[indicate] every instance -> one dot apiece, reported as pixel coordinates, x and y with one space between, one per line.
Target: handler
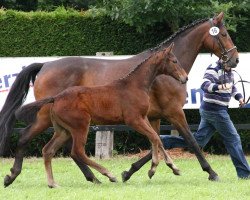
218 89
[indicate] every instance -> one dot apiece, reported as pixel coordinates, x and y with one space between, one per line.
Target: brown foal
123 101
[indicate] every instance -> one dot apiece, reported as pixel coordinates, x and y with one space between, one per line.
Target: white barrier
10 67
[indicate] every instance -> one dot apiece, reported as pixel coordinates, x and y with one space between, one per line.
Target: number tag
214 31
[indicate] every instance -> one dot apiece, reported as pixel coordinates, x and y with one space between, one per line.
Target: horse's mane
140 64
178 33
168 40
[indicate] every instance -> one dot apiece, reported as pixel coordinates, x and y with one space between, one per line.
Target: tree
146 13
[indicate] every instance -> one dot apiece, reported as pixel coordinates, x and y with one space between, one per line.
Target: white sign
214 31
195 76
10 67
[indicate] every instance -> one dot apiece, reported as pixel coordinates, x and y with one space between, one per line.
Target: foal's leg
155 124
49 151
166 156
59 138
79 137
143 126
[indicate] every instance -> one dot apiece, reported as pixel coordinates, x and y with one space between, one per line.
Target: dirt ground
174 153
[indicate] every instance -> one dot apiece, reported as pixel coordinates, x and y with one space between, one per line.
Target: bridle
225 58
224 52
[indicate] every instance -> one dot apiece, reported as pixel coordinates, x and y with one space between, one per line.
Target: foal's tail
15 99
27 113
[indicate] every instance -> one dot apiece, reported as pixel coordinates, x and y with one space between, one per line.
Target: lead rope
243 87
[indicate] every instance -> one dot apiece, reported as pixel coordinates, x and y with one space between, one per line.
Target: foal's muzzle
183 79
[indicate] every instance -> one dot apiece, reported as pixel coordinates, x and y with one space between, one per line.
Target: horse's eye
223 34
175 61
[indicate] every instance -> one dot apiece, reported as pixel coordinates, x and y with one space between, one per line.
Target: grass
192 184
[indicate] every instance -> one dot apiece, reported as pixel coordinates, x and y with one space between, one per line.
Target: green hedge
65 33
68 32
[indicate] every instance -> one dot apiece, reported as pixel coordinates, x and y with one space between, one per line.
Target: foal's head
171 66
218 41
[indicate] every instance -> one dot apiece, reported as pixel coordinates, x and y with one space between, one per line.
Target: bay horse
125 100
50 78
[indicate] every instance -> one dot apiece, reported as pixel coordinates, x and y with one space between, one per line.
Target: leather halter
224 52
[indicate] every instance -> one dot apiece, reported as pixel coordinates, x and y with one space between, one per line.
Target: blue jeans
210 122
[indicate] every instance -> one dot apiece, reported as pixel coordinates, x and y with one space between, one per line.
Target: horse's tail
27 113
14 100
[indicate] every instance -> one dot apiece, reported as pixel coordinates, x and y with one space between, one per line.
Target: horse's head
171 65
218 41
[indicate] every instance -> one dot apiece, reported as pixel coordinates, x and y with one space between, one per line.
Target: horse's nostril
237 60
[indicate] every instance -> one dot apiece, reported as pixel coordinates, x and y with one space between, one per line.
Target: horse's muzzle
184 80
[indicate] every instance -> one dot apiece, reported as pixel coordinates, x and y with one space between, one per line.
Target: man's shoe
245 177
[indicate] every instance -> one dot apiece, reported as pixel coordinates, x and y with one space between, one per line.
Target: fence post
104 140
104 144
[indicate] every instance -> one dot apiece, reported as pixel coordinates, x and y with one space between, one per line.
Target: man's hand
225 86
242 103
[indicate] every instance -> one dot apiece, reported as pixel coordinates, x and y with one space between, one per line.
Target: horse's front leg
179 122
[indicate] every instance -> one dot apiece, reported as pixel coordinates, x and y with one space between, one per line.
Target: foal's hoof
7 181
151 173
125 176
177 172
113 179
214 177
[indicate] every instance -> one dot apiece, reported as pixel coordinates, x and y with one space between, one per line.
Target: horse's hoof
7 181
177 172
213 177
113 179
125 176
96 181
54 185
150 174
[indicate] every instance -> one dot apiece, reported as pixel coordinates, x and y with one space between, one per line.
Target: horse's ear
171 46
169 49
219 18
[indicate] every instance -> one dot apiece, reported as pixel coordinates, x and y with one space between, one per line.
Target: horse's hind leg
89 175
180 123
25 137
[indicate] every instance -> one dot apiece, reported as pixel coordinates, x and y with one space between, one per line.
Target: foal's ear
218 19
170 48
